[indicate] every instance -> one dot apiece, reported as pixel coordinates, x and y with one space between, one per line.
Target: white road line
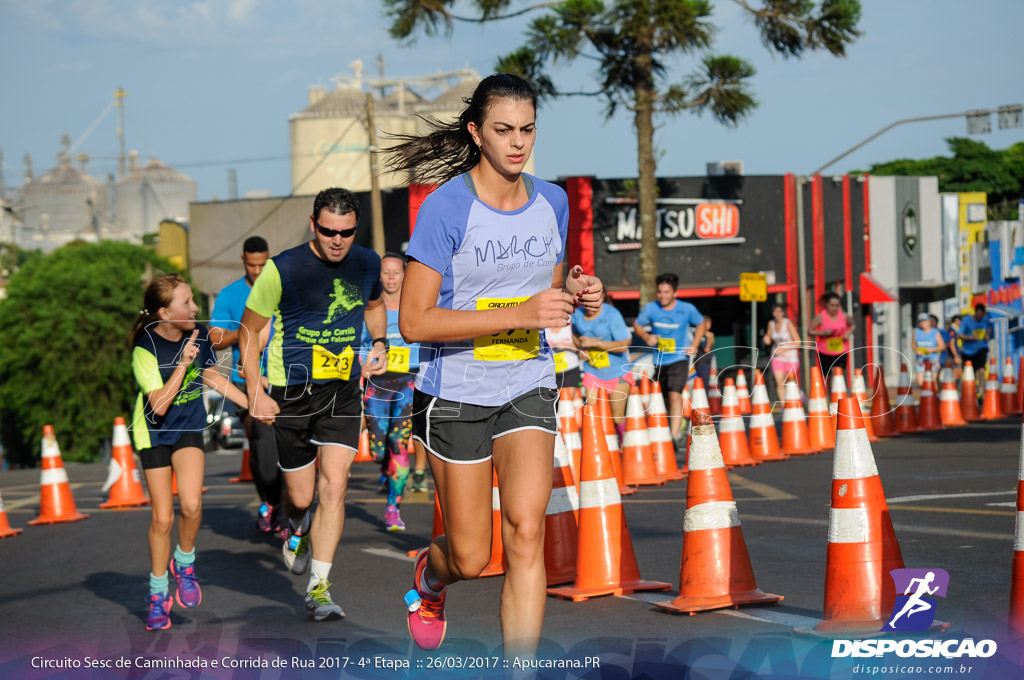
1008 504
389 552
770 616
651 598
928 497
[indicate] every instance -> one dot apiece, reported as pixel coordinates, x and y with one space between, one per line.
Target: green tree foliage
64 354
972 167
633 43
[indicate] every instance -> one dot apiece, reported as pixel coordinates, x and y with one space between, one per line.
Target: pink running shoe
427 624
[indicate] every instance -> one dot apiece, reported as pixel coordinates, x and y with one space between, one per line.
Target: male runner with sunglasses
320 294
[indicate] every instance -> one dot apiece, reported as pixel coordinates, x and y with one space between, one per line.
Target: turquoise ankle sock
158 584
184 558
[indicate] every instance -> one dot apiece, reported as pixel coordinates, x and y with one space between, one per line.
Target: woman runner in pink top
831 330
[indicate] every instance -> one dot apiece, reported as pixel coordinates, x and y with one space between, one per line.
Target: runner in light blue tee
672 325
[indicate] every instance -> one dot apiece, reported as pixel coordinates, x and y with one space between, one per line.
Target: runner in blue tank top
485 277
928 345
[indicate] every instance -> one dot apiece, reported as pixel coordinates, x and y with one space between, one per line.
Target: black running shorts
160 456
462 433
673 376
318 414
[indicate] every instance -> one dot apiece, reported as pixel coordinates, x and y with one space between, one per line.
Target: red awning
871 291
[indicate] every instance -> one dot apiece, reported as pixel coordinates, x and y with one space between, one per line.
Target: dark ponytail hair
449 150
828 297
159 293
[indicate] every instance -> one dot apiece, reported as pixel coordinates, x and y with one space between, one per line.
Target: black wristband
387 345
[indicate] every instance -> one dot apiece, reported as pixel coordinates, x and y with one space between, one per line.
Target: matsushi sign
681 222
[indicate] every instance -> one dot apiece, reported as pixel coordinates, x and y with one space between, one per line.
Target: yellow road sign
753 287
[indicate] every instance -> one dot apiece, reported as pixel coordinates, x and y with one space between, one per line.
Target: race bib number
924 351
979 333
398 360
598 359
561 362
666 344
513 345
834 345
330 366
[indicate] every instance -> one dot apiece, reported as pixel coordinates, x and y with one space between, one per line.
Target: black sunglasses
331 233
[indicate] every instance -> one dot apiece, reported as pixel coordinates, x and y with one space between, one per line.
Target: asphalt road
76 590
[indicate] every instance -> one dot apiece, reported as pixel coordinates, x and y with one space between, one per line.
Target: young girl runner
485 276
172 359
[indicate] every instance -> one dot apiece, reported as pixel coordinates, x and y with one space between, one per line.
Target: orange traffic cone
605 564
860 391
731 432
819 421
714 395
5 525
796 440
715 570
662 447
928 410
645 390
496 567
742 394
764 441
577 407
881 410
571 433
1008 402
560 520
245 475
612 438
990 409
123 481
637 460
687 403
969 394
836 391
1017 571
56 504
906 415
862 546
949 401
363 453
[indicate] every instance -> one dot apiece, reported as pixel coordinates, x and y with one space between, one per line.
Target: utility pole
375 202
119 95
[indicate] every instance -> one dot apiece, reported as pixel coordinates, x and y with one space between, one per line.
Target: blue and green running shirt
154 359
317 308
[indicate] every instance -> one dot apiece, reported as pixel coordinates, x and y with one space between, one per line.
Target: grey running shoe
419 481
319 603
296 552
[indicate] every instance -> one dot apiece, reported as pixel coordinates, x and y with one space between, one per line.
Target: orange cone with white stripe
742 394
645 390
714 395
764 441
566 414
949 401
612 438
496 567
732 434
796 440
1008 402
123 481
637 460
245 475
990 408
662 447
862 546
5 525
560 520
836 391
56 504
882 421
715 570
819 420
969 394
605 563
928 417
577 407
906 414
687 400
860 391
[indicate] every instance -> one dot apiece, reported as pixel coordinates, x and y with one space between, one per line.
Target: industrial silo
149 195
61 205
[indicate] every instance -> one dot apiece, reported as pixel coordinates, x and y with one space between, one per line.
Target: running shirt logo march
512 345
914 610
346 298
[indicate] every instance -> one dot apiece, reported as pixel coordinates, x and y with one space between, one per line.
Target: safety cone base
833 630
580 594
10 532
77 517
694 605
675 476
648 481
126 503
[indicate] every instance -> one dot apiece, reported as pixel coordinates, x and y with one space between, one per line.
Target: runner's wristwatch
387 345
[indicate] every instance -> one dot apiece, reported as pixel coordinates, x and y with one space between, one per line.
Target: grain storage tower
151 194
63 204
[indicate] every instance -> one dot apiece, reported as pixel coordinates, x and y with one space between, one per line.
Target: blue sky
211 84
